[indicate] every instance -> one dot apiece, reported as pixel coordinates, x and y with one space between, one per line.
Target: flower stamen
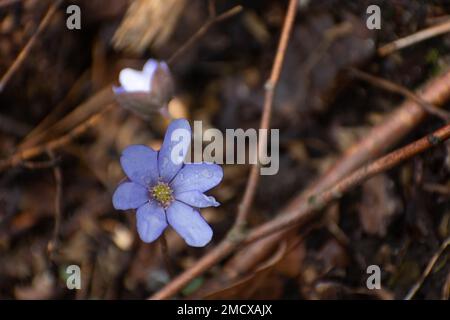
162 193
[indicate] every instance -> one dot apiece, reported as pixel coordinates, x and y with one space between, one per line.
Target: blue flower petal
197 176
189 224
196 199
118 90
151 221
174 149
140 164
129 195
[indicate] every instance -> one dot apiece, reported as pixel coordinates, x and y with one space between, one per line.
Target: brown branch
399 89
212 20
270 87
26 50
412 292
32 152
414 38
397 124
83 111
34 165
236 233
36 134
54 243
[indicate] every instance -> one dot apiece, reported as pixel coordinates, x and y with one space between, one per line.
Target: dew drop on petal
207 173
147 181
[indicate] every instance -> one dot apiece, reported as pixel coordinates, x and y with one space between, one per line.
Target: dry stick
27 154
314 203
26 50
414 38
78 115
428 269
396 88
90 107
235 235
437 188
212 19
400 122
103 97
54 244
397 124
33 165
383 136
270 87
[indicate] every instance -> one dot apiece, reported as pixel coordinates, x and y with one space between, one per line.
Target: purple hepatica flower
145 92
165 191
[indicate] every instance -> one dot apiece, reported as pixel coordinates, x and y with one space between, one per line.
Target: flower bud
145 92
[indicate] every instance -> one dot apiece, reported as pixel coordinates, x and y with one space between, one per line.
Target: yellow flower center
162 193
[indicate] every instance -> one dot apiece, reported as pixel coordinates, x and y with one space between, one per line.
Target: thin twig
437 188
34 165
396 125
32 152
93 105
33 137
414 38
314 203
54 243
428 269
235 235
26 50
270 87
212 19
399 89
212 8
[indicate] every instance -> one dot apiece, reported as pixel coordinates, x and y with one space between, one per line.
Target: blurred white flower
145 92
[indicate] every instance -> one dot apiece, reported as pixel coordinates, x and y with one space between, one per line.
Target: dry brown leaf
147 22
